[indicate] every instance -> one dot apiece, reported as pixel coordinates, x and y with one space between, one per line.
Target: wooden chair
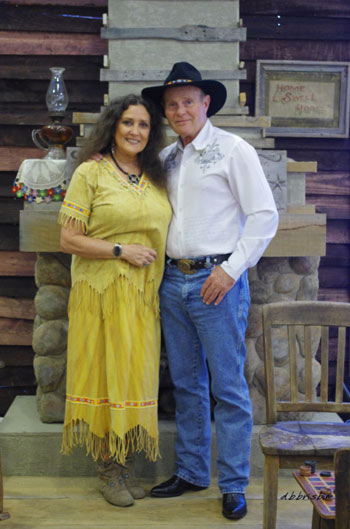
3 515
287 444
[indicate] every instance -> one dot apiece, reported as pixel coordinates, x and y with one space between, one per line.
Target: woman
114 221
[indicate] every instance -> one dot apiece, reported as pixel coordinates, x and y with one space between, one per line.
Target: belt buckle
184 265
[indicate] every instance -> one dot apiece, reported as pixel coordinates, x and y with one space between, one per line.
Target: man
224 217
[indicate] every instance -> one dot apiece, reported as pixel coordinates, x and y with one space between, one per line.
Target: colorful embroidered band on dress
114 405
71 206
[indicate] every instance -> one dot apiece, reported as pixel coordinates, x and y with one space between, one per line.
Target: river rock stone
50 406
269 268
51 302
50 338
49 371
304 265
259 292
51 270
286 283
308 288
254 327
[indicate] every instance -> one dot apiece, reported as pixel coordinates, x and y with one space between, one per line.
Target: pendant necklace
132 177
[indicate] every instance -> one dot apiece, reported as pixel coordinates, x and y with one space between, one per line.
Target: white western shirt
221 200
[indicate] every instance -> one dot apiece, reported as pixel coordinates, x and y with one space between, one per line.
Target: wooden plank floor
75 503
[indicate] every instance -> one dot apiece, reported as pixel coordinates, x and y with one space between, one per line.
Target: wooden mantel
301 231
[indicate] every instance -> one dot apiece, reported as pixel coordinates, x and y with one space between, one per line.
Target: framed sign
304 98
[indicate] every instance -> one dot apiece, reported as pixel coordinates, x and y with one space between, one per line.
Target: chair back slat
307 322
340 364
324 363
271 412
308 363
292 363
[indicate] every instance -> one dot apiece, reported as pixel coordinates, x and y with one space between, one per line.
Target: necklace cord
132 177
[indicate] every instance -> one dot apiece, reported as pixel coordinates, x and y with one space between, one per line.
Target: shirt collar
201 140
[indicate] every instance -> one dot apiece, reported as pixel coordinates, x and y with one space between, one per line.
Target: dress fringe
137 439
73 220
106 303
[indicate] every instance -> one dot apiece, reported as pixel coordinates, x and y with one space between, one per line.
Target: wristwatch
117 250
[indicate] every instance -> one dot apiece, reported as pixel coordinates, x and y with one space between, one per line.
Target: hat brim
215 89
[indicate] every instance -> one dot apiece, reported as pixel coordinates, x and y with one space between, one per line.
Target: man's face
186 110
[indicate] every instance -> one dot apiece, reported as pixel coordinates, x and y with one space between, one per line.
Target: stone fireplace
289 268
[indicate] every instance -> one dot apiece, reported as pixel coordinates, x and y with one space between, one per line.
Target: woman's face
132 131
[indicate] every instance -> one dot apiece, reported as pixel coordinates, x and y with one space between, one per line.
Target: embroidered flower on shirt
208 156
170 161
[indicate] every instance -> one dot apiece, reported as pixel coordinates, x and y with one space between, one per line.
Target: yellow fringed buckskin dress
114 331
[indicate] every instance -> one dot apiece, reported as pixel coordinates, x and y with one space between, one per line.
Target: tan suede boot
112 485
135 490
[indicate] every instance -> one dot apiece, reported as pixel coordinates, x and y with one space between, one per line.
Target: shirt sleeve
77 204
252 191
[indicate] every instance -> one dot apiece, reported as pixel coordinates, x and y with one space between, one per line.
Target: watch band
117 250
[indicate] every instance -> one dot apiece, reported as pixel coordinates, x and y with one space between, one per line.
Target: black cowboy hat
183 73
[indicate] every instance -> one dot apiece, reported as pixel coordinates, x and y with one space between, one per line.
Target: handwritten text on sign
301 99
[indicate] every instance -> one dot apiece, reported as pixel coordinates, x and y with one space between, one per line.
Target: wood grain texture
336 8
17 308
296 28
16 355
55 18
27 43
78 67
183 33
313 50
88 3
12 157
17 264
15 332
18 287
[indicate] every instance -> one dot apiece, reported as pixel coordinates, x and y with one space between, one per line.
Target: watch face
117 250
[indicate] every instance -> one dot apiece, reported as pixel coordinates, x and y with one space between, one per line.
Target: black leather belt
189 266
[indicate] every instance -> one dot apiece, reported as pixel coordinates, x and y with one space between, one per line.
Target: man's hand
216 286
96 157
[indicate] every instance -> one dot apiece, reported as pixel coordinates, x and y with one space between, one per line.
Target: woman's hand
138 255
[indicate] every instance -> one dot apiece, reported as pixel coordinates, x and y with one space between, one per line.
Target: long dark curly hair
101 138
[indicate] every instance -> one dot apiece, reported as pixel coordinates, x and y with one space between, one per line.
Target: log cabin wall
310 31
35 35
38 34
318 30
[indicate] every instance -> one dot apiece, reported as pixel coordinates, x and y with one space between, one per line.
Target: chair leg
316 519
3 515
271 468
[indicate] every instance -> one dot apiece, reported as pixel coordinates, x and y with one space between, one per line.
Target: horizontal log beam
12 157
78 67
160 75
88 3
18 287
296 28
335 8
184 33
16 355
17 264
328 183
15 332
52 18
27 43
338 231
326 161
334 294
22 309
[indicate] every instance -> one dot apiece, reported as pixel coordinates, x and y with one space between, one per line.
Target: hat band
179 81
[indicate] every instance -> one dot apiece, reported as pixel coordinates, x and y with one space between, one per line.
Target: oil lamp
53 137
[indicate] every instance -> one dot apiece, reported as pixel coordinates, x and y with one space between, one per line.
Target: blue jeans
200 339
